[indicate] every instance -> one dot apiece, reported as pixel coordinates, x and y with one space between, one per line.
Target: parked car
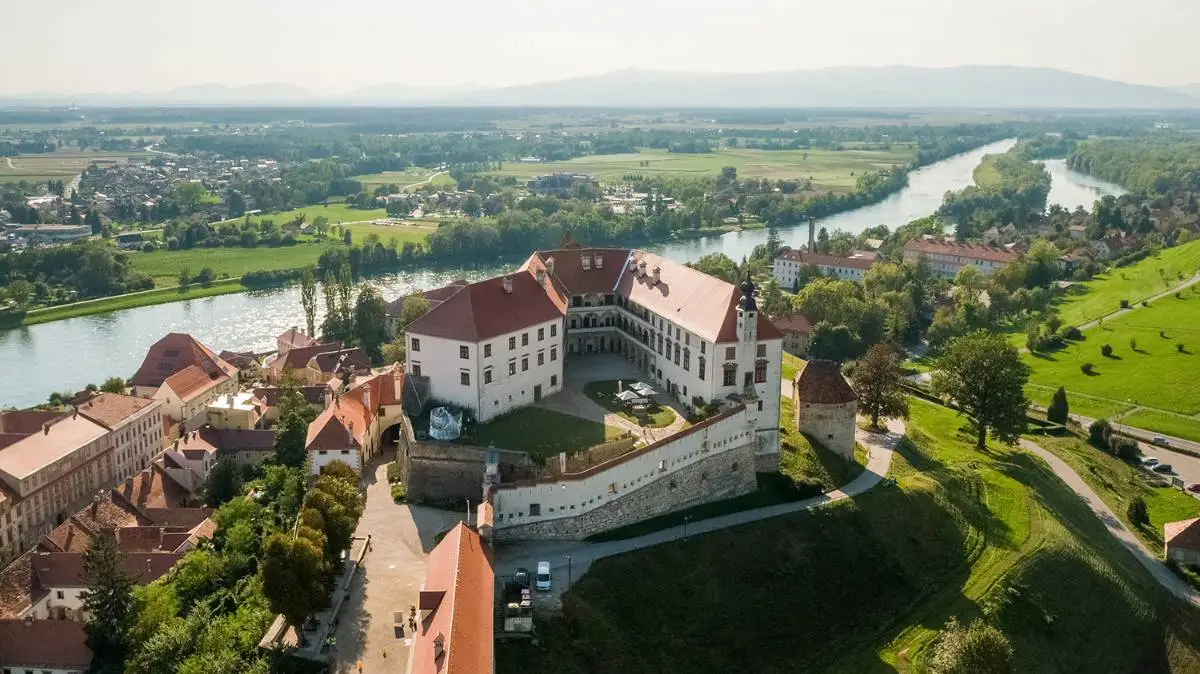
1194 488
1163 468
1149 461
542 579
1159 441
522 576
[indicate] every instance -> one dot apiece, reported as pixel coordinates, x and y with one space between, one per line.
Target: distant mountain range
841 87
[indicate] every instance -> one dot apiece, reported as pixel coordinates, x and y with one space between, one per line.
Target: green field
54 166
829 170
1102 295
1157 374
164 265
985 174
141 299
864 585
1088 406
336 213
1168 424
413 176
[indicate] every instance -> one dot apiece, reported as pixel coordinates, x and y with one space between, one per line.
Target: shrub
1145 303
1138 515
1087 368
148 247
1180 348
1099 433
1058 411
1071 332
1106 351
395 472
398 493
1124 304
1123 448
1162 333
1133 343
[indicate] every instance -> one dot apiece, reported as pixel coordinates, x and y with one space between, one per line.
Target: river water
69 354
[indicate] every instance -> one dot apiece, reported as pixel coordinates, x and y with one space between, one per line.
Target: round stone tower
825 406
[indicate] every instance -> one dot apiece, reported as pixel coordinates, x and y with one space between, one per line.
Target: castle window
731 353
760 372
416 344
541 357
487 376
612 487
524 339
553 380
464 378
512 367
553 354
524 363
542 334
701 371
730 376
760 406
535 510
762 350
662 466
554 330
512 343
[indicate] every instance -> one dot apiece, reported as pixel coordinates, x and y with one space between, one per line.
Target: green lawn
831 170
1117 482
864 585
1102 295
336 213
164 265
602 392
142 299
1167 424
1156 375
1088 406
413 176
540 432
790 365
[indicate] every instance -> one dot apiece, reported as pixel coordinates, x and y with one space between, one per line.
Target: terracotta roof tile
297 359
568 268
460 569
333 361
1184 535
65 569
966 250
821 382
193 380
44 644
112 409
70 536
483 310
293 338
793 323
153 488
173 353
329 431
18 585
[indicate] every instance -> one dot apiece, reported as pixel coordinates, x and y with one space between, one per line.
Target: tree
832 342
20 291
877 381
346 238
370 322
185 279
291 434
308 298
984 375
293 578
223 483
339 315
109 601
92 219
718 265
773 301
339 522
979 648
340 470
1059 410
1099 433
1137 512
113 385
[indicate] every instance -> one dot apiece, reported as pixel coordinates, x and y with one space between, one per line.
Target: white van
542 579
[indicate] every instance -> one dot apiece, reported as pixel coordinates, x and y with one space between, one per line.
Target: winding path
1147 559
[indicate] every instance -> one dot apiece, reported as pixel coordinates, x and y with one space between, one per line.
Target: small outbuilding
825 406
1181 541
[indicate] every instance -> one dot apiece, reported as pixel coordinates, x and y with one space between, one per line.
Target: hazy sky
331 46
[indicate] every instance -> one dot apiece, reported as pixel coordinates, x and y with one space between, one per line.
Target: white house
135 426
351 428
788 264
945 258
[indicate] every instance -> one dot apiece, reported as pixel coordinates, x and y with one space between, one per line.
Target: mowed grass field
1187 428
864 585
54 166
1156 374
829 170
413 176
1102 295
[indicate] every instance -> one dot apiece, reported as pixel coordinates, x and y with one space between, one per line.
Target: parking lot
1185 466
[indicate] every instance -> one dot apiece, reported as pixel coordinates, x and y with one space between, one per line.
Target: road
1135 305
582 554
1165 577
423 182
1187 467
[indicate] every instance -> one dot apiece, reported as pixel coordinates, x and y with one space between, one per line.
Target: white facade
192 412
948 264
786 270
60 603
832 425
319 458
494 376
574 497
137 440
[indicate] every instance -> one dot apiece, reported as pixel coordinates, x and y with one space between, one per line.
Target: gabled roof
483 310
293 338
461 578
65 569
1183 535
433 297
112 409
860 261
793 322
330 430
820 382
173 353
569 269
153 488
333 361
972 251
297 358
193 381
44 644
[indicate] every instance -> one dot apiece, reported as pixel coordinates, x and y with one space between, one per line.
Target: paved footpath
527 555
1165 577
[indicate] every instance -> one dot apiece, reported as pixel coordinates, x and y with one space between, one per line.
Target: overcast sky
331 46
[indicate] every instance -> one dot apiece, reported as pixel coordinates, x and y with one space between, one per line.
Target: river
69 354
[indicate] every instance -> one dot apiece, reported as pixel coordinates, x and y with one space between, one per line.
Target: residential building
945 258
432 298
62 580
336 364
454 634
825 406
293 338
269 398
53 233
239 410
351 429
44 647
558 184
788 263
296 360
135 427
185 375
1181 541
796 332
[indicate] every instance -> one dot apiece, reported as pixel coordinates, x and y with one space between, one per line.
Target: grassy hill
864 586
1102 295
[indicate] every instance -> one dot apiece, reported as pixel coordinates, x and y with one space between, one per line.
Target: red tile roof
460 570
568 268
173 353
433 297
965 250
25 422
793 323
355 359
44 644
1183 535
821 382
153 488
802 257
297 359
65 569
112 409
193 381
483 310
294 338
329 431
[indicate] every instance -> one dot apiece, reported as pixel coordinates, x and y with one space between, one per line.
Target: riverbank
144 298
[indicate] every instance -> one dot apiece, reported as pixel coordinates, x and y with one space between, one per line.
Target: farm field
1157 374
336 213
54 166
164 265
409 177
1088 406
829 170
864 585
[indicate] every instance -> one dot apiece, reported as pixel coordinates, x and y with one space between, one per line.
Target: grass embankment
828 170
106 304
1118 483
791 364
602 392
540 432
863 586
1156 374
1162 422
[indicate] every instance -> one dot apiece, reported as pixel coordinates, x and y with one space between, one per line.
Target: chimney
599 262
657 275
507 283
550 264
541 277
350 429
632 264
641 268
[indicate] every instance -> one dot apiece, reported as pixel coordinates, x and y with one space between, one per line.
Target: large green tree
370 322
293 578
109 602
1059 410
982 373
308 298
291 435
718 265
877 380
979 648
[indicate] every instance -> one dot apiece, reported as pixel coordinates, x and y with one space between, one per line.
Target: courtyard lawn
1116 482
602 392
1156 375
1102 295
1167 424
540 432
829 170
864 585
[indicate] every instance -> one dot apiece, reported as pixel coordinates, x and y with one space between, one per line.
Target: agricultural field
1156 374
864 585
55 166
413 176
164 265
829 170
336 212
